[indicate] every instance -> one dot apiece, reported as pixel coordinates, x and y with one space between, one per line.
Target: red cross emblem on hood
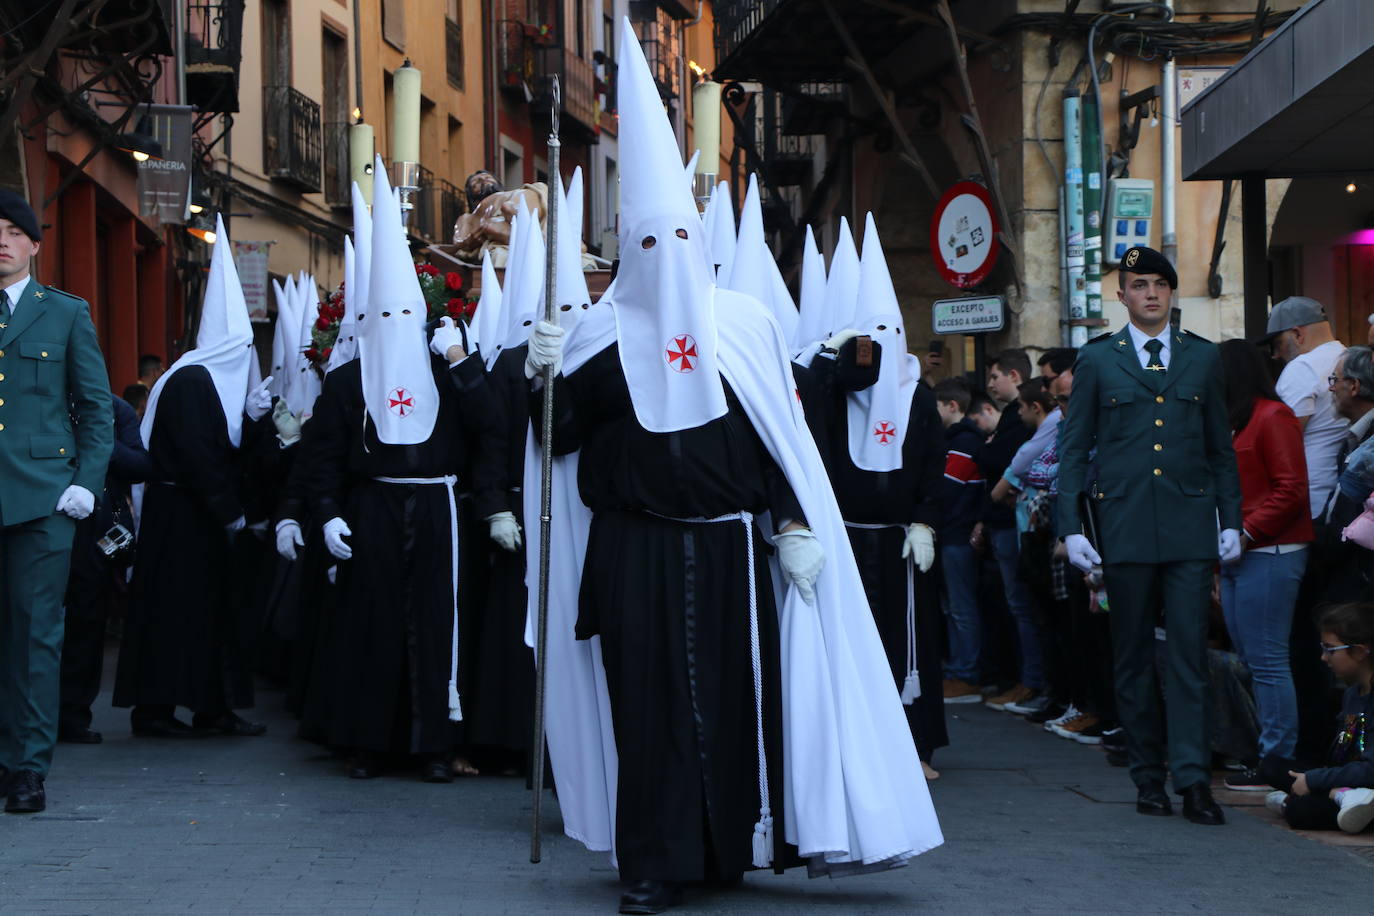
400 402
884 432
682 353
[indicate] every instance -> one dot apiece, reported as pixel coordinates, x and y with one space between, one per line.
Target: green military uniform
51 373
1165 479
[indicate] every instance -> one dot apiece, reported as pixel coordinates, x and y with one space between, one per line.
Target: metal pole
541 641
1073 211
180 26
1092 206
1168 174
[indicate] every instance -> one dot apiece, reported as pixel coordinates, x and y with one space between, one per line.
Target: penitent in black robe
670 601
185 640
387 651
896 499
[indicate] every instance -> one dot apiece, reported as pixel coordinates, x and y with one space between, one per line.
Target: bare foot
930 771
463 767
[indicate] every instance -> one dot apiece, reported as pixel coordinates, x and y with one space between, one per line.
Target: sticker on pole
972 315
963 235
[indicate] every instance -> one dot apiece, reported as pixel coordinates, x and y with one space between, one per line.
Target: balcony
424 219
809 108
514 59
291 145
214 36
577 83
659 37
605 91
338 183
784 42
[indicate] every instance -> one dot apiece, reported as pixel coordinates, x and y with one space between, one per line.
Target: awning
1301 103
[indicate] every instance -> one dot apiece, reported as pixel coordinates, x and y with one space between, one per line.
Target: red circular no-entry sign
963 235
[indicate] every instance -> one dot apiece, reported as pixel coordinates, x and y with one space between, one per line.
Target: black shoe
1051 710
227 724
364 766
162 727
26 794
1152 799
1247 780
1199 807
436 769
79 736
650 897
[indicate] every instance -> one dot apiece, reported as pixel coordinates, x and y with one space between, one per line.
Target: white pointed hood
720 239
494 330
486 320
305 383
754 271
224 342
691 169
811 320
879 415
357 256
570 285
665 320
842 283
283 336
523 299
398 384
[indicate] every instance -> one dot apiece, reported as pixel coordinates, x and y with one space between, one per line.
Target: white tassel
911 689
763 840
455 708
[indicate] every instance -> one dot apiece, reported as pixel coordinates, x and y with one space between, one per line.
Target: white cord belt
911 684
455 707
763 830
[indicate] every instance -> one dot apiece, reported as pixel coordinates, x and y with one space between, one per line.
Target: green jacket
1165 471
51 373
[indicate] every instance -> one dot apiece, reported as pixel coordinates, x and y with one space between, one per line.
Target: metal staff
541 639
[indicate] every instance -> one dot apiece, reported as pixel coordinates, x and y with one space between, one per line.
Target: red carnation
430 269
312 354
327 351
455 308
337 311
322 323
470 309
454 281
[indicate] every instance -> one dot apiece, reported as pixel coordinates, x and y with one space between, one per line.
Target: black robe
184 639
910 494
388 651
500 665
670 601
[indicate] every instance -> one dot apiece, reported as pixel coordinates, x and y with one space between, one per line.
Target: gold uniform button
1159 399
2 402
2 376
1158 447
2 427
1159 423
62 451
1158 472
2 352
45 354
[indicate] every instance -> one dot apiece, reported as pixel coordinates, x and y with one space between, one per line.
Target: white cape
854 793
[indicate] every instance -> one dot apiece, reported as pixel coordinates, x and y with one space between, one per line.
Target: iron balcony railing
214 37
337 180
577 82
424 219
291 143
737 19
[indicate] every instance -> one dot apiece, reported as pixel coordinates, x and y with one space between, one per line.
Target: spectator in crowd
933 363
150 369
136 396
984 413
997 526
1299 335
1339 795
960 504
1258 591
1346 570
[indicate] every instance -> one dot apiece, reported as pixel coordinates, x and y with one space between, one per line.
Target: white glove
335 530
1081 553
919 545
801 557
289 538
288 424
259 400
333 573
546 349
76 502
447 336
505 531
1228 545
840 338
236 525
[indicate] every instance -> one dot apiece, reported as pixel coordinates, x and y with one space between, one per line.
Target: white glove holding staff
546 349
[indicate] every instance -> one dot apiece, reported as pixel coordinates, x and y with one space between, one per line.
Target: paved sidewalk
1033 824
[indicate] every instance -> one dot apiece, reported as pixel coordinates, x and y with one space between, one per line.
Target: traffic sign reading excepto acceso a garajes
973 315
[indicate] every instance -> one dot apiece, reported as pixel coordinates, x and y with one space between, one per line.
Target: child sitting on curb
1341 795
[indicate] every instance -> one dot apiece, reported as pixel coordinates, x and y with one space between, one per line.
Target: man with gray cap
1299 335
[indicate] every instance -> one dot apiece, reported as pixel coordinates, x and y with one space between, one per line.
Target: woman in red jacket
1259 590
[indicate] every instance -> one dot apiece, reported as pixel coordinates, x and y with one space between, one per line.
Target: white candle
706 125
405 124
360 158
